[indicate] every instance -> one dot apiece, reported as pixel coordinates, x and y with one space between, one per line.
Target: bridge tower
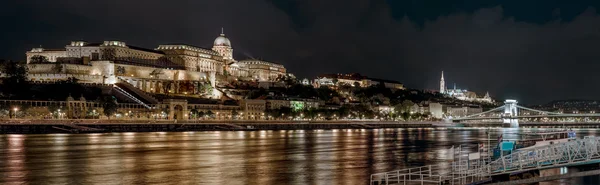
510 113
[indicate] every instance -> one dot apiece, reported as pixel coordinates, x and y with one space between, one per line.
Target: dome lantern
222 40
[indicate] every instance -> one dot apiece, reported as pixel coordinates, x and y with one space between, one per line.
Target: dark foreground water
231 157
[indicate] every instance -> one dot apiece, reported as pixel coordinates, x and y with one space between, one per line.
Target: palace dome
222 41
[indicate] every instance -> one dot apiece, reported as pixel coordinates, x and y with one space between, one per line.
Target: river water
343 156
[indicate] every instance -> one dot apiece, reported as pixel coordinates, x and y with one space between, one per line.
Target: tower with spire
442 84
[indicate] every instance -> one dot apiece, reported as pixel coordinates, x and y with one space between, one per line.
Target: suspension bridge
511 113
576 152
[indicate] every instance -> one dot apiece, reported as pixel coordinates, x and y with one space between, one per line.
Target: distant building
253 109
305 82
462 94
462 111
436 110
354 79
51 54
277 104
262 70
162 70
385 109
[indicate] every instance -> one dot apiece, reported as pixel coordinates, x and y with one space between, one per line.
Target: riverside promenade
33 126
100 126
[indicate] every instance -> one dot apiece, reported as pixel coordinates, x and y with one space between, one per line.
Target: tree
405 115
404 106
109 104
210 114
201 114
58 68
335 81
326 94
38 59
234 114
53 108
225 73
194 113
356 84
15 84
206 88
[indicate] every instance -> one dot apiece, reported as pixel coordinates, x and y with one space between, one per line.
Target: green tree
15 84
326 94
201 114
109 104
194 113
210 114
206 88
405 115
53 108
38 59
404 106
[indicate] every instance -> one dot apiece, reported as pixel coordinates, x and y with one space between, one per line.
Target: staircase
125 94
123 84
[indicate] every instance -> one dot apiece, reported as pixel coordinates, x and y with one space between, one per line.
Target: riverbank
104 126
100 126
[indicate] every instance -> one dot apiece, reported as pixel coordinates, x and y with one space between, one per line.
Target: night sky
534 51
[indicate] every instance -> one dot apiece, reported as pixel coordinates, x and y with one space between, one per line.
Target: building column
185 113
152 86
212 78
145 85
160 87
171 111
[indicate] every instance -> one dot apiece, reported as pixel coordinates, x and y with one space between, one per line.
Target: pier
578 152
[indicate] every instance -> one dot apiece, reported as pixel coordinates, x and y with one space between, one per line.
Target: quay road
118 125
92 126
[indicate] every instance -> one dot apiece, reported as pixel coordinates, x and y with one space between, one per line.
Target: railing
549 156
575 152
136 90
126 94
424 175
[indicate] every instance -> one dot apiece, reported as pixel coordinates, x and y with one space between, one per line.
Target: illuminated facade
354 79
462 94
262 70
159 70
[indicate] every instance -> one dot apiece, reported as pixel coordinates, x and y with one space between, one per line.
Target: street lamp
15 110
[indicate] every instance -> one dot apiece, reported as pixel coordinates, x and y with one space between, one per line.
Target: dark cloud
532 51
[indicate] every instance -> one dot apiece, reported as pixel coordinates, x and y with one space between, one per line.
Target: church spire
442 84
222 32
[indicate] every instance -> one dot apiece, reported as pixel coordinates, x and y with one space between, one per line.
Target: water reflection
342 156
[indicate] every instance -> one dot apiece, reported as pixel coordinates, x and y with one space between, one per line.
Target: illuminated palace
161 70
462 94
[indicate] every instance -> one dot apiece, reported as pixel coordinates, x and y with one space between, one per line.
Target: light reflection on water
343 156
